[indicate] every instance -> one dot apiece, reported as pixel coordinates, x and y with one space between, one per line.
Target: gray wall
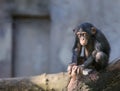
64 15
31 45
5 41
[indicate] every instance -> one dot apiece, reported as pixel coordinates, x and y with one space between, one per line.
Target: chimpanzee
96 48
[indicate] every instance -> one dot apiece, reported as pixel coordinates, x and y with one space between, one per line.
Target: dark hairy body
96 47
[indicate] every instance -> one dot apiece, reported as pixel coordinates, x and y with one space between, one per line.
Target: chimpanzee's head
84 33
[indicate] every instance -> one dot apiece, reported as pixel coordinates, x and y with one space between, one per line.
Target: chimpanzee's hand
80 69
70 66
76 71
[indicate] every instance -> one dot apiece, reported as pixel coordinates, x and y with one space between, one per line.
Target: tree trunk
108 80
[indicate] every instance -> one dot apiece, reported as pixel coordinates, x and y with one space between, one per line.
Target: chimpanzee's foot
86 71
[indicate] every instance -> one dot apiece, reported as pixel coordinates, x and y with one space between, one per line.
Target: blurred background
36 35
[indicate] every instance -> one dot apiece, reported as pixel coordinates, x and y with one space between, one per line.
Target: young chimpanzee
95 45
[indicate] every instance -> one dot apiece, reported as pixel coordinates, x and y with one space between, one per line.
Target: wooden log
44 82
108 80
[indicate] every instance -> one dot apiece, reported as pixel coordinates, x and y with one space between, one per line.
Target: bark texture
108 80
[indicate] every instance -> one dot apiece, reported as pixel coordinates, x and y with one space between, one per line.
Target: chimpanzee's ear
93 30
74 31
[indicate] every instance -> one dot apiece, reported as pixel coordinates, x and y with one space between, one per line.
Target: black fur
97 42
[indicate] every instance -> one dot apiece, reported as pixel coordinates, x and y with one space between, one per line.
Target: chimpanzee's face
83 37
84 33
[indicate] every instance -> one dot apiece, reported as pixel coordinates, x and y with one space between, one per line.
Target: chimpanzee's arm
76 51
98 48
88 61
91 57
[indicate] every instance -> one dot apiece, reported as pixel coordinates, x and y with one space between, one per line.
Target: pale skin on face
83 38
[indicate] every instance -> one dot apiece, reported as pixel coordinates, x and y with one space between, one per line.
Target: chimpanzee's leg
101 60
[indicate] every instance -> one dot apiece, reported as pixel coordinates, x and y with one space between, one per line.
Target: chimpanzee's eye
81 34
78 35
84 34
